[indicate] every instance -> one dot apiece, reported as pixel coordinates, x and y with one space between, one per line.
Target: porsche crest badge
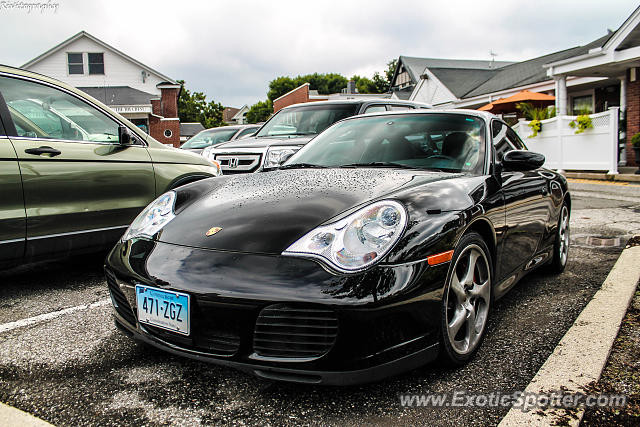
213 231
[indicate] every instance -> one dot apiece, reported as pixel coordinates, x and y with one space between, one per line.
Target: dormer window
96 63
75 63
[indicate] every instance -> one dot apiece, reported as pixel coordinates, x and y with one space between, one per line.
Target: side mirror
522 160
124 136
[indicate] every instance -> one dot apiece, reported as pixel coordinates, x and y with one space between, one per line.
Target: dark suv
290 129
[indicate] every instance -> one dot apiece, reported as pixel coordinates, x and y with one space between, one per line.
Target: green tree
279 86
383 82
193 107
260 111
323 83
365 84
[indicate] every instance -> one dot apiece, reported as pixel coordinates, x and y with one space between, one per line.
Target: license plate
163 309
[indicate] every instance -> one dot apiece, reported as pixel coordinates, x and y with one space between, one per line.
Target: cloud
231 50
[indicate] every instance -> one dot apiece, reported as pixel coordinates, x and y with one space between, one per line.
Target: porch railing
594 149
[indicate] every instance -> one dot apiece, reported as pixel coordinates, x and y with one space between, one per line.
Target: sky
230 50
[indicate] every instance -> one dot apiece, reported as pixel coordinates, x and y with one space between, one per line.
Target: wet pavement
77 369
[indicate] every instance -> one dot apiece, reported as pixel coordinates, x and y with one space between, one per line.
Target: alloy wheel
563 235
468 299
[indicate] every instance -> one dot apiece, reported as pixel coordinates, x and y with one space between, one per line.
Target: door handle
43 150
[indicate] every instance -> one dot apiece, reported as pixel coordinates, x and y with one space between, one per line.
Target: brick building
304 94
146 97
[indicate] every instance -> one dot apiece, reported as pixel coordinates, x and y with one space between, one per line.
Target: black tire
561 242
472 301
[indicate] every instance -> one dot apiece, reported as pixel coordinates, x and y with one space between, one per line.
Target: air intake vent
288 331
119 300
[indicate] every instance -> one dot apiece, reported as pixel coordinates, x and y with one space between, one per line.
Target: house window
582 104
75 63
96 63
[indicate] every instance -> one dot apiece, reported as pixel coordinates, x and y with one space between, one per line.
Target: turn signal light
440 258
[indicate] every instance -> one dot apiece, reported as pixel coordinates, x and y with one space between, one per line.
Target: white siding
118 71
432 92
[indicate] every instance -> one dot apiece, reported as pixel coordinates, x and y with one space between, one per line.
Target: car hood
194 150
254 142
267 212
165 154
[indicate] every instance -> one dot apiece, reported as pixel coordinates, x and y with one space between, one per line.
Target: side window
375 109
400 107
502 146
43 112
496 127
515 139
246 132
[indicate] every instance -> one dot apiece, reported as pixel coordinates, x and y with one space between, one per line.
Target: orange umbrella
487 107
525 96
503 104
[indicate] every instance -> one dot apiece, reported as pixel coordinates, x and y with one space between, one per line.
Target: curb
622 177
582 353
10 416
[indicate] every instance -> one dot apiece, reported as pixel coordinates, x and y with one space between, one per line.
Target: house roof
119 95
103 44
240 112
529 72
404 93
462 81
228 113
190 129
416 66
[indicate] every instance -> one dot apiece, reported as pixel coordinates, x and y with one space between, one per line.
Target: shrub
581 123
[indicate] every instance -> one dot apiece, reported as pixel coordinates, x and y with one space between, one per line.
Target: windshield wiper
302 166
379 165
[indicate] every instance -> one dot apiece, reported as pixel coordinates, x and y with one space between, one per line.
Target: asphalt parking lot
74 368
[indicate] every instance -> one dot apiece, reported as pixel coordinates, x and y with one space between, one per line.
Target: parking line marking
49 316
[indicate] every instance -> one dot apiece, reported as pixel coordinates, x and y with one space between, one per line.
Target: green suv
74 174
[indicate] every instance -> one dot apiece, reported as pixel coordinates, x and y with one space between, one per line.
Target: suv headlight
208 154
276 155
357 241
153 217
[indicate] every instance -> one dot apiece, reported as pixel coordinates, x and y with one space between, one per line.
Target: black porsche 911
376 248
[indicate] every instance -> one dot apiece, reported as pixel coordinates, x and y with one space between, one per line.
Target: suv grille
238 163
286 331
118 299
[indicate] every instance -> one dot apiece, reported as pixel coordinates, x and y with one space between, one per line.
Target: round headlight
153 217
356 242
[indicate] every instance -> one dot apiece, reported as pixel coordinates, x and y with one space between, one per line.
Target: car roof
485 115
359 101
232 127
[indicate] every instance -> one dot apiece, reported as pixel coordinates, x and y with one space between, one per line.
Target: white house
240 118
595 77
143 95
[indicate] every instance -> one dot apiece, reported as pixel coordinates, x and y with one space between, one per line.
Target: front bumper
383 322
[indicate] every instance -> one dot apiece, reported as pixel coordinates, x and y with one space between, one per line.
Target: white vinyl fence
594 149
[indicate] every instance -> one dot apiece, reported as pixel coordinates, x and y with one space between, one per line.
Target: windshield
448 142
209 137
305 120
